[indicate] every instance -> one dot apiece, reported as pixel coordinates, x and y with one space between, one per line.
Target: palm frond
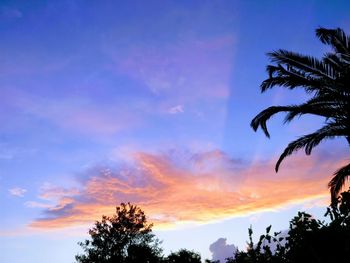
327 81
265 115
313 106
325 105
346 59
333 59
338 181
320 110
336 38
311 140
292 78
308 64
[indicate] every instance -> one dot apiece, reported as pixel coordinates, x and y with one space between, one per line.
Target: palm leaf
326 105
336 38
291 78
327 80
293 111
311 140
307 64
335 60
338 181
264 116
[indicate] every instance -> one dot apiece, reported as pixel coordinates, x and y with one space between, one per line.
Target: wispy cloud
52 192
187 69
176 109
17 191
180 187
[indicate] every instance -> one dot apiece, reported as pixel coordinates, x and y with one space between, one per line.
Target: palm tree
327 80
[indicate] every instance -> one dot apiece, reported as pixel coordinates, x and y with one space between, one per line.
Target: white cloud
176 109
221 250
17 191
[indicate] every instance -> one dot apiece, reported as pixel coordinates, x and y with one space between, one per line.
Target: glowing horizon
104 102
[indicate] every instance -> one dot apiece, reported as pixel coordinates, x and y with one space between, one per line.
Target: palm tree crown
327 80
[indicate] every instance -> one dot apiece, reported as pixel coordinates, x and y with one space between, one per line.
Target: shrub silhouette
308 240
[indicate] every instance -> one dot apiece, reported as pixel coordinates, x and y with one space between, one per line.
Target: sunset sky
104 102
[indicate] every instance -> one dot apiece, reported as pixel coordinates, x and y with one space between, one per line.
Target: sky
150 102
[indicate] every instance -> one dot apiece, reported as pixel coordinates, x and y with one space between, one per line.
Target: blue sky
111 101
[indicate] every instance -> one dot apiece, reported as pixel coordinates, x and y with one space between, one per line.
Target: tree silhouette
126 237
183 256
308 239
327 80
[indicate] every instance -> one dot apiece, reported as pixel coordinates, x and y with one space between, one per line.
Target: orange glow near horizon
211 188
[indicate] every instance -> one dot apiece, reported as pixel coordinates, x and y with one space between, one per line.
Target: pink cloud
201 187
52 192
78 114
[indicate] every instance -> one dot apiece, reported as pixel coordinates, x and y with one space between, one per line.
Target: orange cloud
180 188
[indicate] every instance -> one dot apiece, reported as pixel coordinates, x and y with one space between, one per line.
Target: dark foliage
308 240
183 256
327 81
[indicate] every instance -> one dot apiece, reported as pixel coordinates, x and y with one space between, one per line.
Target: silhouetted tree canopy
327 81
308 240
183 256
126 237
